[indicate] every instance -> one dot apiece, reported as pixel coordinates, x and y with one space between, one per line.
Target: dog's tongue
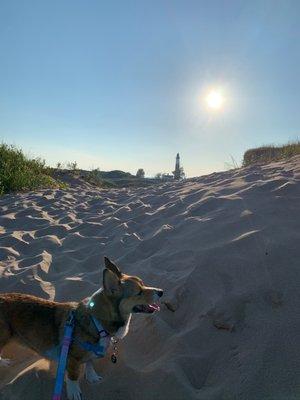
154 307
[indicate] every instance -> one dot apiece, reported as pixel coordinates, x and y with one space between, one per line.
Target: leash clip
103 333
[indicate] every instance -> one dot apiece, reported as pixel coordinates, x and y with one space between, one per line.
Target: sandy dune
226 249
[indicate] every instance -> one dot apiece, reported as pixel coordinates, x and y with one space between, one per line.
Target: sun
214 100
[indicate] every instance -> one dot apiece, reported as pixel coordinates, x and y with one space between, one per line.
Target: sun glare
214 100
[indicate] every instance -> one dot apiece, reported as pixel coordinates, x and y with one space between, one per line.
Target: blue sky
120 84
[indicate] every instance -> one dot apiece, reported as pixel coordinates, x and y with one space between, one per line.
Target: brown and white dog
39 324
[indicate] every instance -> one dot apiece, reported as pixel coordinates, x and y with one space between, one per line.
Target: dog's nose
160 293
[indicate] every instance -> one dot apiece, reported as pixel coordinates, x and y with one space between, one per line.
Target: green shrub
18 172
266 154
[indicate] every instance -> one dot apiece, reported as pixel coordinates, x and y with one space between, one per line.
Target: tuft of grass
19 173
266 154
232 164
94 177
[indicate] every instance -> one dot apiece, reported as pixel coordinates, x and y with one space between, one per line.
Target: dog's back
32 321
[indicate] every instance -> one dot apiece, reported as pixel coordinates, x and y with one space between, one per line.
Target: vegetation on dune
232 164
95 177
102 179
18 172
117 178
266 154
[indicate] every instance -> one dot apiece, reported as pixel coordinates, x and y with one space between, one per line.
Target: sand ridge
225 248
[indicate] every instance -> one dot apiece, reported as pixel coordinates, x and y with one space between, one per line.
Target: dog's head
130 292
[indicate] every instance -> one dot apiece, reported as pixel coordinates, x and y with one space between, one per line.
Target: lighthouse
178 171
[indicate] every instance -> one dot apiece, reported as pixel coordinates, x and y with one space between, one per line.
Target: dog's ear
111 283
112 267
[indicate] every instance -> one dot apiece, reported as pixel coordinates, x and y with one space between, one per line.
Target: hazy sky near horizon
121 84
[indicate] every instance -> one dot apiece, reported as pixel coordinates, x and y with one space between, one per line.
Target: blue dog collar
99 349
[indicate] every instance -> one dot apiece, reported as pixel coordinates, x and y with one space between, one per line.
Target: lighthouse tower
177 172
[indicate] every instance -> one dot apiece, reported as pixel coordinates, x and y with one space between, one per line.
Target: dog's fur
39 324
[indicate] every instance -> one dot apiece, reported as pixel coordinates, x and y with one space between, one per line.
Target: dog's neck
106 310
123 330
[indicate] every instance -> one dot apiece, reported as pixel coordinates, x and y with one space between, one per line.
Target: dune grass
266 154
19 173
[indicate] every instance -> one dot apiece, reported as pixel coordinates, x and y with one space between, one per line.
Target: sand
225 248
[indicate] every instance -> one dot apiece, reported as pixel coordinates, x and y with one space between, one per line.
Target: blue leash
60 373
98 349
